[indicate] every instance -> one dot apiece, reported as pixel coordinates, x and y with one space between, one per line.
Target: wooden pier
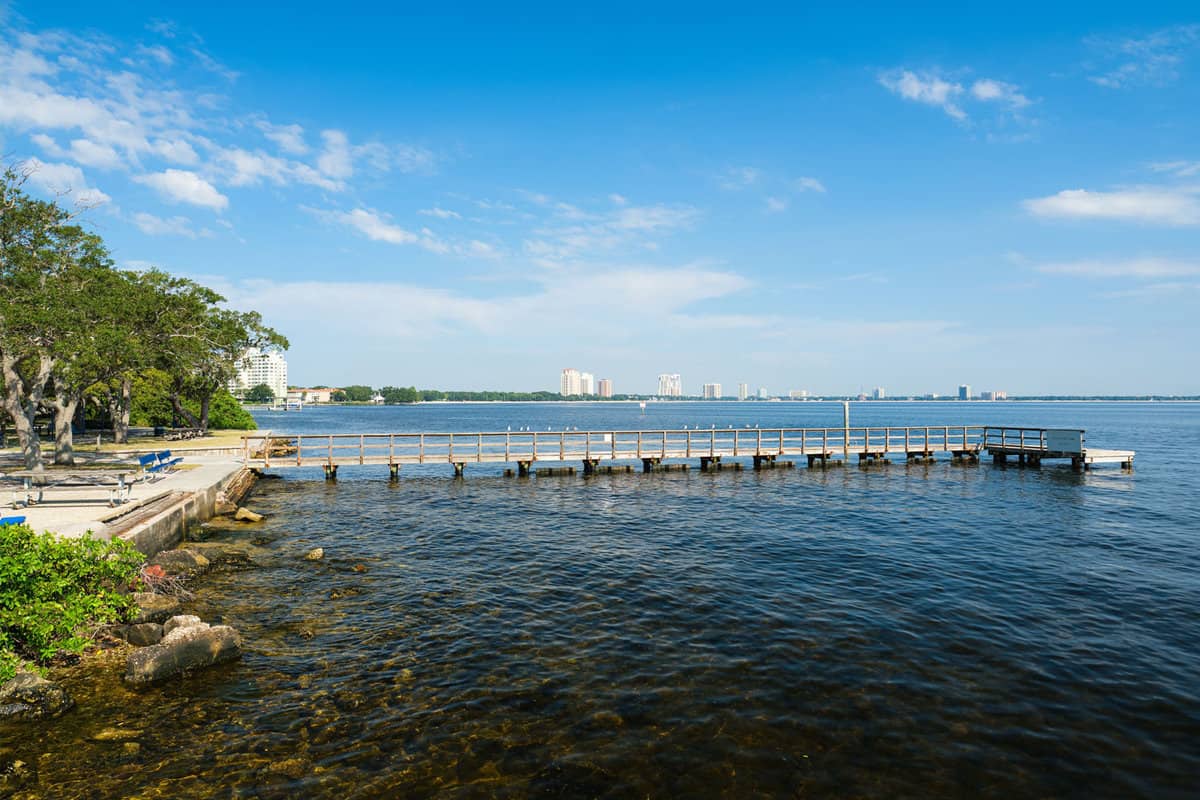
821 447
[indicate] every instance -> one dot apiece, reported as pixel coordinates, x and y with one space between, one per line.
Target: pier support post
589 465
523 468
394 472
648 464
764 462
459 466
331 472
1077 464
709 463
1001 458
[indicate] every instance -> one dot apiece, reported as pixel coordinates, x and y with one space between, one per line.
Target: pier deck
819 446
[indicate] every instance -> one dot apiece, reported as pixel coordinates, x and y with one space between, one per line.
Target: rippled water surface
924 630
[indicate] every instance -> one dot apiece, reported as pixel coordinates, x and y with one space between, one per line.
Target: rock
182 621
291 767
14 775
224 508
30 696
316 554
116 734
180 562
183 649
246 515
154 607
143 634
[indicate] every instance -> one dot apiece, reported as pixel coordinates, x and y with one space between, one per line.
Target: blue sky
826 200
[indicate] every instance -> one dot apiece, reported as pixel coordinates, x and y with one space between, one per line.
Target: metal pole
846 429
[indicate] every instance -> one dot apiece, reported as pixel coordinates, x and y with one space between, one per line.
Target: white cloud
177 151
64 179
988 90
618 200
1129 268
158 226
1180 169
1148 205
335 160
776 204
1153 59
157 52
374 226
440 213
736 178
925 88
212 65
807 184
183 186
289 138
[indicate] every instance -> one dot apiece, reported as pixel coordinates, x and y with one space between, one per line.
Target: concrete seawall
170 517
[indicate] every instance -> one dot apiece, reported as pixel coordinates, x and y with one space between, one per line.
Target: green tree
356 393
260 394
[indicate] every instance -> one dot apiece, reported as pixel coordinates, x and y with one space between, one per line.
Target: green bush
53 590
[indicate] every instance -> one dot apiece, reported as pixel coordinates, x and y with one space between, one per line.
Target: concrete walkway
73 512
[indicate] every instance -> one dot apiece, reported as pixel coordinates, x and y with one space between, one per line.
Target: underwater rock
154 607
15 775
180 562
316 554
141 635
246 515
30 696
184 648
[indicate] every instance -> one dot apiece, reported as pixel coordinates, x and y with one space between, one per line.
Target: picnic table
117 482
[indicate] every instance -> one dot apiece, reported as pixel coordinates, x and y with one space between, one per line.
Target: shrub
53 590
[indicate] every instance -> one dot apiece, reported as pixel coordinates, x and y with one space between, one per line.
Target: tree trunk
64 435
183 413
204 403
119 407
21 401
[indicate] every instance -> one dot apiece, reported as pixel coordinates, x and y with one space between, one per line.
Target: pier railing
529 446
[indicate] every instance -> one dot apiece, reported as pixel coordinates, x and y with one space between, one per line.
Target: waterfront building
743 391
964 392
993 395
798 394
308 396
762 393
587 383
571 382
604 387
712 391
670 385
261 365
879 393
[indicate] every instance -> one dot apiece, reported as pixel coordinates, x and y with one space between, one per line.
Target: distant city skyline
815 198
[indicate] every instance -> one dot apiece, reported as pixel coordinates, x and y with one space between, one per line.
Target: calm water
931 630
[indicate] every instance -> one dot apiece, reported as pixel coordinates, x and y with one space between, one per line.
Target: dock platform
816 446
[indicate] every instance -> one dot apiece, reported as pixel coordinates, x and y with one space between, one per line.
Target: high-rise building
261 365
964 392
743 391
879 393
798 394
762 393
587 383
712 391
571 382
604 387
670 385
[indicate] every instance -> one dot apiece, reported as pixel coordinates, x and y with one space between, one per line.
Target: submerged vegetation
55 592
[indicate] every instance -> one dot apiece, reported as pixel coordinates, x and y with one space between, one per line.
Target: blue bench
151 468
167 463
12 520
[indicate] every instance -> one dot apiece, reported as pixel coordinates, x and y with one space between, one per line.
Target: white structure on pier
261 365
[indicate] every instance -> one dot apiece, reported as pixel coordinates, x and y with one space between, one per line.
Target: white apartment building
798 394
879 393
257 366
587 383
712 391
743 391
670 385
571 382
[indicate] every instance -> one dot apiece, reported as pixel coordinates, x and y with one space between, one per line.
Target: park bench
166 463
150 467
11 520
116 483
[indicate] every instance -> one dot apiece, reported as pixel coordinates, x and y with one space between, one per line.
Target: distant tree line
79 337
